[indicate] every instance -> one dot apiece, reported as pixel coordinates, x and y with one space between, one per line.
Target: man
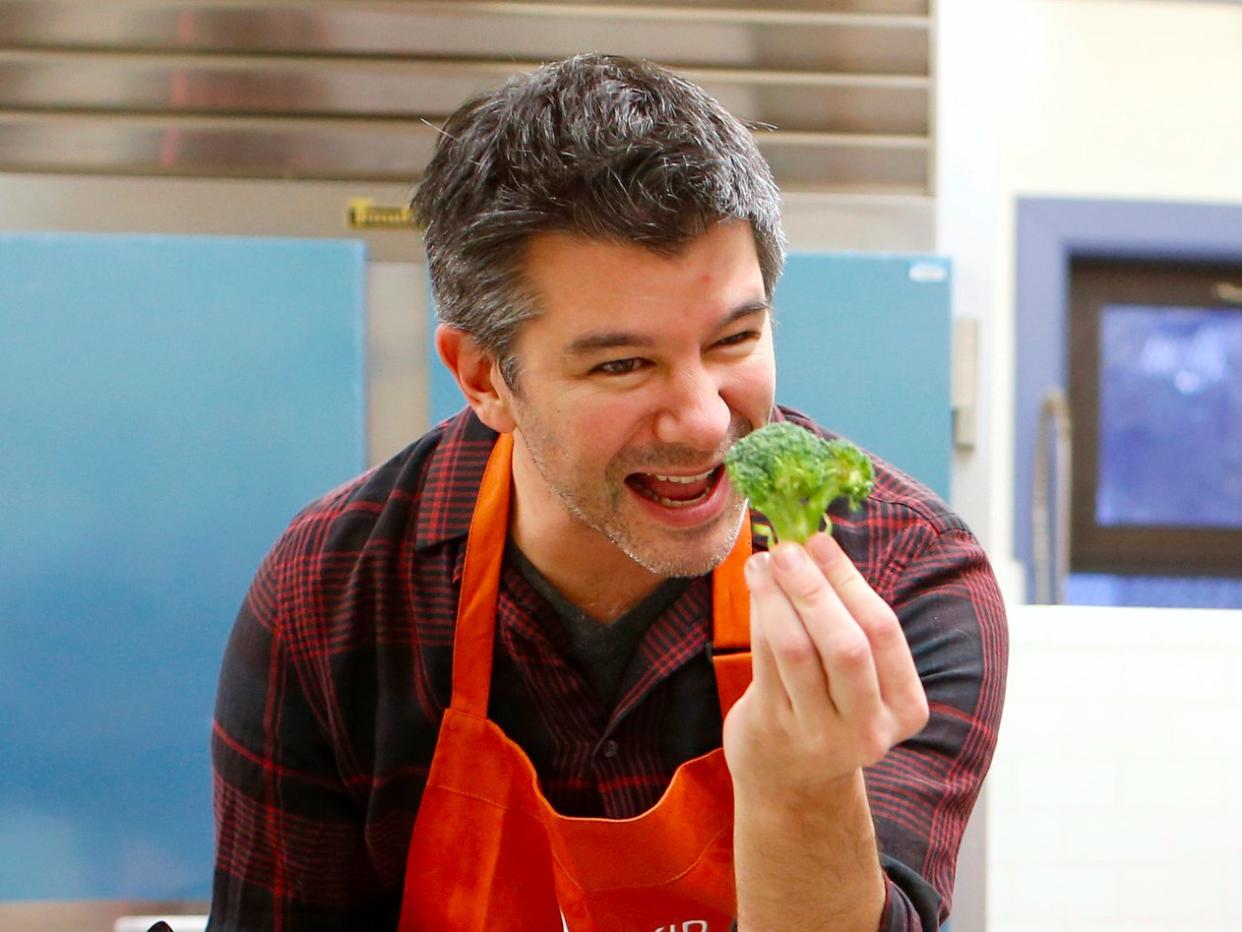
502 680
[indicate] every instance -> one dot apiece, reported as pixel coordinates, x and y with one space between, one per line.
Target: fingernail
787 556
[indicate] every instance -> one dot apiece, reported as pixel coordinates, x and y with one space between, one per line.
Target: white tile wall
1114 798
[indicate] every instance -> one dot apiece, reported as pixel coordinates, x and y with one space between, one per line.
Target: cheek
598 432
751 389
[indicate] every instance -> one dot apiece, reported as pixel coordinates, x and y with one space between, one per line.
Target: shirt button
611 749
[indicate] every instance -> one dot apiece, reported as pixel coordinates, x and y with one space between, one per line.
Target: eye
619 366
737 339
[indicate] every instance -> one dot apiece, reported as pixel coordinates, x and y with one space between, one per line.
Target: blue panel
444 397
166 405
862 345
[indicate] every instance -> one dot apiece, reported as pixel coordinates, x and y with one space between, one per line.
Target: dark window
1156 400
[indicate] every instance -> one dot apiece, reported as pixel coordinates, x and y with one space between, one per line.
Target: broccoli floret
793 475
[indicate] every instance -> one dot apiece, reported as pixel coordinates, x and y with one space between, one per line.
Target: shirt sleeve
922 792
290 848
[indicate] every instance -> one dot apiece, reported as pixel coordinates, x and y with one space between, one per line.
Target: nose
695 413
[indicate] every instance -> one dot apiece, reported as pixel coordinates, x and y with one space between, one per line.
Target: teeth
685 480
670 503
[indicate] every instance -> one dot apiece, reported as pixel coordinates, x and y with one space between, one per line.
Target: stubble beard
670 553
651 558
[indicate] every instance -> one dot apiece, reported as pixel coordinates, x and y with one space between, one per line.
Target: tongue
676 491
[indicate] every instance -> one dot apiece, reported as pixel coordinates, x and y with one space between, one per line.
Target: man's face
639 373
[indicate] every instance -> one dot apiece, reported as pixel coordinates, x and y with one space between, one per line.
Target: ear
478 376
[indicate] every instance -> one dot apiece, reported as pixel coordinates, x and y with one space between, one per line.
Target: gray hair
603 147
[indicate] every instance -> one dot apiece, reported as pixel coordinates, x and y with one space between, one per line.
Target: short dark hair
604 147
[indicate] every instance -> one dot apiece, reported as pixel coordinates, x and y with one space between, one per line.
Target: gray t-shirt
601 652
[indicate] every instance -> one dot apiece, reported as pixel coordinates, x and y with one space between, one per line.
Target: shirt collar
452 478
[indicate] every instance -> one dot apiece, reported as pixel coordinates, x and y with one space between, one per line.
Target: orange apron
489 852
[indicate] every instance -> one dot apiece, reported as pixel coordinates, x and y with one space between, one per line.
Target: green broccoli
792 475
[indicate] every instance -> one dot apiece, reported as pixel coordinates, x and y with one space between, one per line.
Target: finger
841 645
898 678
765 675
796 661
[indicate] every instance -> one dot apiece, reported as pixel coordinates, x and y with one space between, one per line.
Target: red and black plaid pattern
338 670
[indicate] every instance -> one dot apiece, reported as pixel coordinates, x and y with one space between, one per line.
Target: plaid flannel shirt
337 673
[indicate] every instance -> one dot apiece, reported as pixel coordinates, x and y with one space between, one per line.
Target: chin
672 568
693 555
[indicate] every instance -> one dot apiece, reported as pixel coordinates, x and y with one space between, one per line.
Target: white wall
1113 800
971 56
1103 99
1122 98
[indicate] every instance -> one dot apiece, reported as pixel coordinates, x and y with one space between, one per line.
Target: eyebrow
611 339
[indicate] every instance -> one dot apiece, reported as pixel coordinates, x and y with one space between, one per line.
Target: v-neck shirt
601 650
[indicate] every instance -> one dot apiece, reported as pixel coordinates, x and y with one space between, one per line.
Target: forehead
579 282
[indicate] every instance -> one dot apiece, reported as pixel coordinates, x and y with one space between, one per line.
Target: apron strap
731 623
480 584
473 641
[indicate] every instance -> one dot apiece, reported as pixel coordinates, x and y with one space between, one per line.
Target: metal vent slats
319 89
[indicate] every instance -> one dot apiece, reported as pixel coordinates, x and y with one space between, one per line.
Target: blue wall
863 346
166 405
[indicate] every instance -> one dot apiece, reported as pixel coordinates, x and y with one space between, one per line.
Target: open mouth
674 491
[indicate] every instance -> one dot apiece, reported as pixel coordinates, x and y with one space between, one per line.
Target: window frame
1094 283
